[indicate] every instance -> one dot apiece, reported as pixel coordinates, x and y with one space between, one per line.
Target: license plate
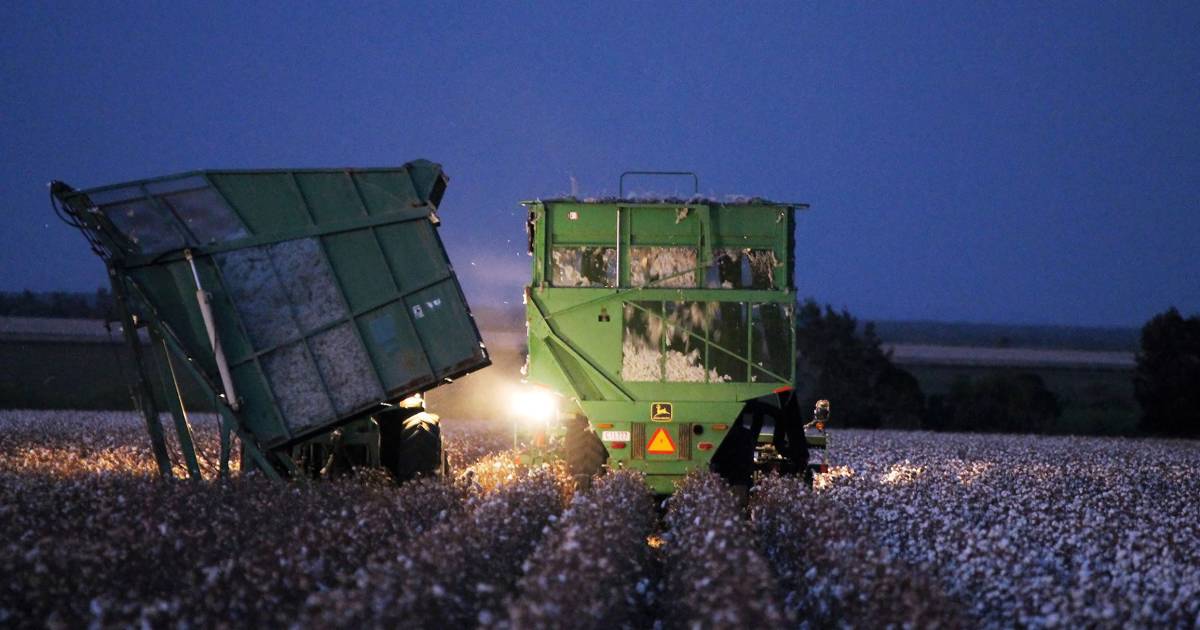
615 436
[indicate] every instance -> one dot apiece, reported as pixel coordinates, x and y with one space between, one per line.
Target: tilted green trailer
308 302
668 326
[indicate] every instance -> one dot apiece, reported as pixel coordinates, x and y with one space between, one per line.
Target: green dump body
330 289
660 319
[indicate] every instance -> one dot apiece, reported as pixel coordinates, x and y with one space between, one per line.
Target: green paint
729 327
330 288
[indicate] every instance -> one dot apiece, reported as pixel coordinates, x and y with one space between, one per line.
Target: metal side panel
330 289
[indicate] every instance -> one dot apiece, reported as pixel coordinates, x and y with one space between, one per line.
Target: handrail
695 179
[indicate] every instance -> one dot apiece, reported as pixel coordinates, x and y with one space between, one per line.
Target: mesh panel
259 296
206 215
282 290
680 344
140 222
772 340
297 387
741 269
346 369
673 267
309 282
641 351
584 266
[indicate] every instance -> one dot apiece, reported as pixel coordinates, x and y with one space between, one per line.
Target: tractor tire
415 449
585 454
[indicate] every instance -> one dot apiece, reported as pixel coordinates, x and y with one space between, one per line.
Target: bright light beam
533 404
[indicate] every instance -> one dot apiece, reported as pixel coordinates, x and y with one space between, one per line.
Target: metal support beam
174 398
226 448
145 395
251 454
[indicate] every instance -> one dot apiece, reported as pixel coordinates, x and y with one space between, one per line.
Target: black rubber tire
585 454
412 447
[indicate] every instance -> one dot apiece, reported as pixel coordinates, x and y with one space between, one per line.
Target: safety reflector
660 443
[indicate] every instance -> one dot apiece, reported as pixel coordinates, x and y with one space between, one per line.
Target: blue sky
1034 163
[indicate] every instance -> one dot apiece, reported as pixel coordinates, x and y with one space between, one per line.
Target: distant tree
26 304
56 304
851 370
1006 402
63 304
103 305
1166 382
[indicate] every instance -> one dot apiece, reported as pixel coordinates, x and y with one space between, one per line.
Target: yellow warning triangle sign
660 443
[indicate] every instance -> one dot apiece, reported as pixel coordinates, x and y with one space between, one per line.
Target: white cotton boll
672 267
1013 530
297 386
308 281
1001 519
258 293
640 363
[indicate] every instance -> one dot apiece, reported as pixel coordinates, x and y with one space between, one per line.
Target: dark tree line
59 304
1167 381
846 363
852 370
1005 401
840 361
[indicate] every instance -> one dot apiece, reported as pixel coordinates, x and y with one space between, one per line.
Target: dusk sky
1025 163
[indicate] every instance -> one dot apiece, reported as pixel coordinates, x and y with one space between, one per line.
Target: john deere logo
660 412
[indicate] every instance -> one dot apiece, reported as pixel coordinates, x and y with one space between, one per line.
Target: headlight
534 404
416 401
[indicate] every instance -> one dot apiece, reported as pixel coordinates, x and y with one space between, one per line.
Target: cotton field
1044 531
907 529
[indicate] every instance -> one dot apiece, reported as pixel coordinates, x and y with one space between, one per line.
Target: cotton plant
906 529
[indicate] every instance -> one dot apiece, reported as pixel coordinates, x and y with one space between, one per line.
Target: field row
1028 530
909 529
